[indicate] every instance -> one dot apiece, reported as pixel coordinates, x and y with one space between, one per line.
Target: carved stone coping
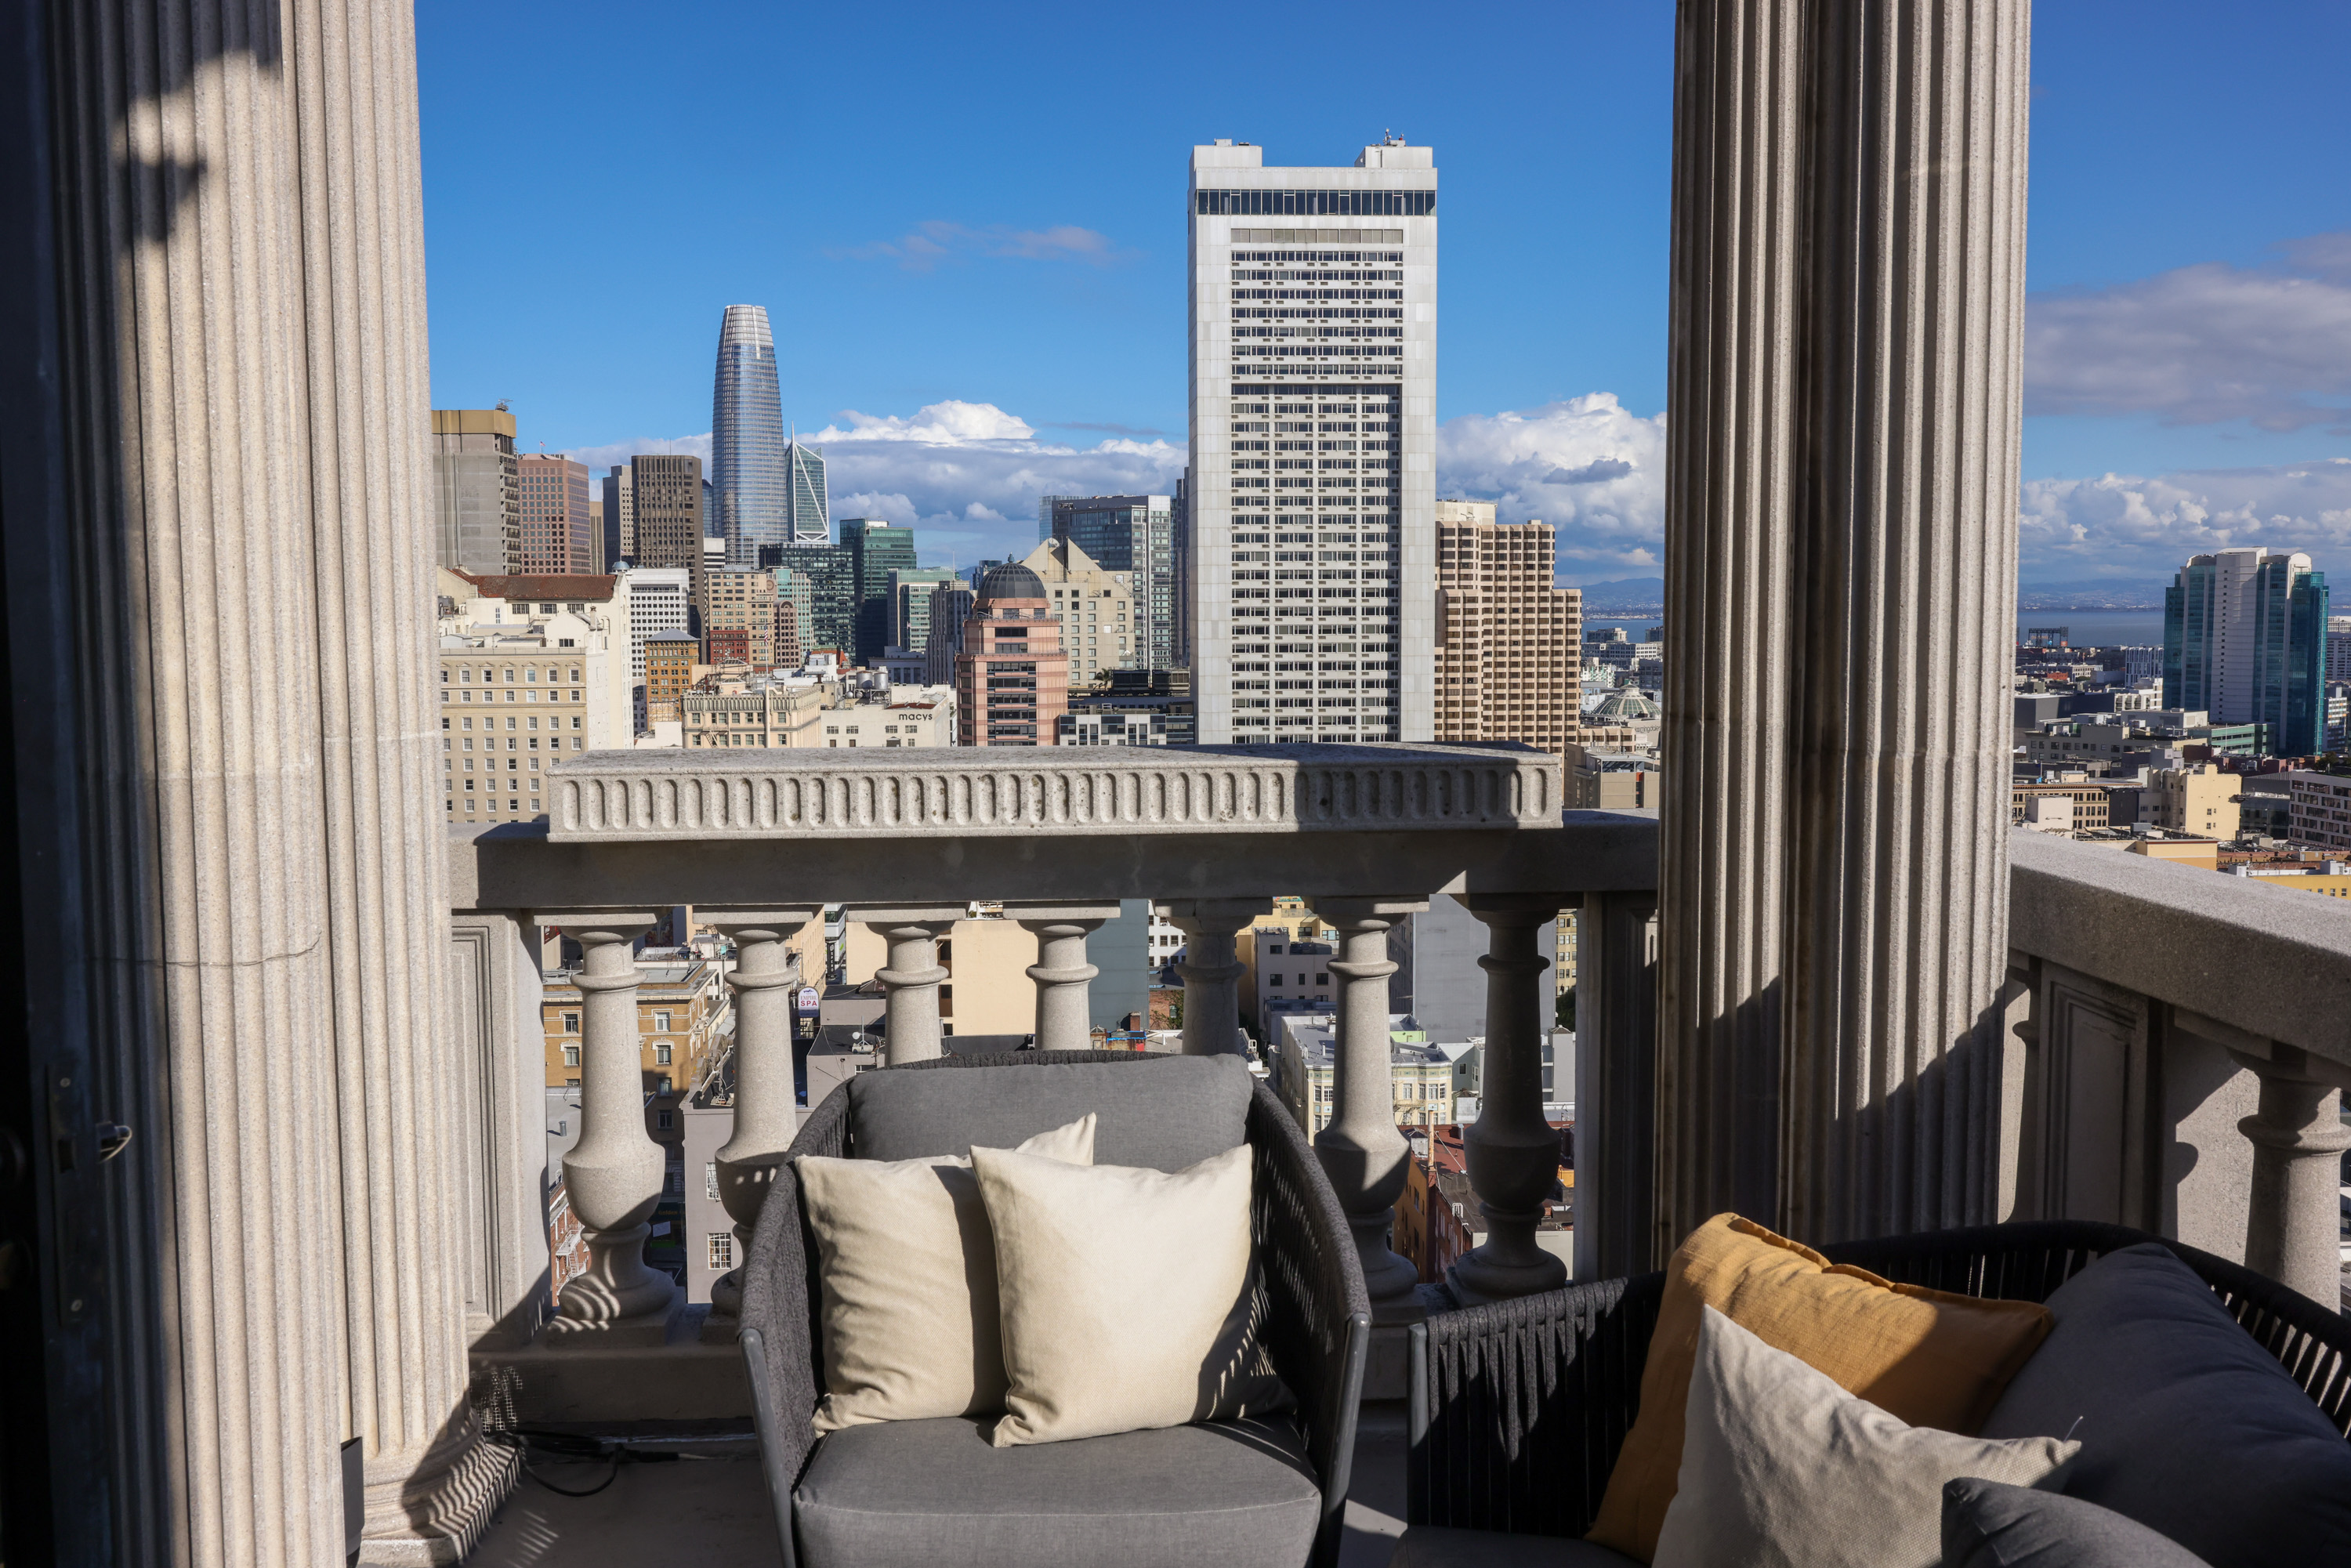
968 792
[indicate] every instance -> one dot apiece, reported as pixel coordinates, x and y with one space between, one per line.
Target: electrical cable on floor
576 1448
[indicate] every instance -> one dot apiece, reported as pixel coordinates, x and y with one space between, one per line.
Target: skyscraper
811 506
2244 639
1310 557
1134 535
750 503
476 491
558 532
1509 652
619 517
875 549
829 617
910 605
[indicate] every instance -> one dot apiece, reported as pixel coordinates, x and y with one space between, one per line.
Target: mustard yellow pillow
1928 1358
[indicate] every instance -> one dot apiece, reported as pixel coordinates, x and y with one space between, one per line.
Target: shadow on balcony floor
709 1508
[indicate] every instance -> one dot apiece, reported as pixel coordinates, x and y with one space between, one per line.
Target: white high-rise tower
1313 564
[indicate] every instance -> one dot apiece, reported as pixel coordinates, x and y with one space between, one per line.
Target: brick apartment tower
560 530
1507 642
1012 678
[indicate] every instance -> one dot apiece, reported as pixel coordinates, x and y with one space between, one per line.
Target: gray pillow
1168 1112
2186 1423
1988 1524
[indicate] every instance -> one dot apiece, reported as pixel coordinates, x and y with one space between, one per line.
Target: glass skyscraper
812 508
1131 534
749 499
2244 639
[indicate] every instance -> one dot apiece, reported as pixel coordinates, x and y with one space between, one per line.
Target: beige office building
2201 800
753 711
739 620
476 491
1095 608
987 958
914 716
1508 643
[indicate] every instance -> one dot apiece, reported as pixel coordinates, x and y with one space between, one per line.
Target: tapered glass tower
748 456
812 508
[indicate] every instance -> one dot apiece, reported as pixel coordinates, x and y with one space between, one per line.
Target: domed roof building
1012 678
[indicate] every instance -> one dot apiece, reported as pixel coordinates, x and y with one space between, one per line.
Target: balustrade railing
2177 1040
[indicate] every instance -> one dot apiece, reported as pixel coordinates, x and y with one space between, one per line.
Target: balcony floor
709 1508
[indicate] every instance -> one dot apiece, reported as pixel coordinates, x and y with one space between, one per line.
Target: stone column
202 914
766 979
1512 1152
1064 1021
1361 1150
911 984
361 409
615 1171
1847 301
2293 1223
1212 971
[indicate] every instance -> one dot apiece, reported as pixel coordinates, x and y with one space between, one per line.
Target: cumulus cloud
602 458
1589 466
2126 529
928 244
2204 344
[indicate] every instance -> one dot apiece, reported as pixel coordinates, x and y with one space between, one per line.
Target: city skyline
967 335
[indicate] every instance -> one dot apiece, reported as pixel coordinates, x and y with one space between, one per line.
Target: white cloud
929 244
602 458
2205 344
2127 528
949 424
1588 467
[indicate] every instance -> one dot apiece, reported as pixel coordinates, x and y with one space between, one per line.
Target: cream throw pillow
908 1275
1126 1295
1783 1468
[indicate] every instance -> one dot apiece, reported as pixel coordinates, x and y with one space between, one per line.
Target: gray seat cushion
921 1494
1428 1546
1165 1113
1989 1524
2187 1424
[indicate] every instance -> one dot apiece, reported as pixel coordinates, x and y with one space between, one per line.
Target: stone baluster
1061 972
1212 969
1361 1150
1617 1232
910 1014
615 1171
1512 1152
2292 1222
765 979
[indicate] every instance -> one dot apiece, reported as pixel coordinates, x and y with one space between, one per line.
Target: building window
664 1120
570 1056
710 1180
660 1023
722 1250
571 1023
661 1055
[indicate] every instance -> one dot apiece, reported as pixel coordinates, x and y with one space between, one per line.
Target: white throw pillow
1126 1295
907 1270
1783 1468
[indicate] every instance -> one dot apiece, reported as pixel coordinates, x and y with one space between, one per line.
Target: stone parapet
975 792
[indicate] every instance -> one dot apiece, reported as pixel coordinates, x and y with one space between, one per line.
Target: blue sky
967 225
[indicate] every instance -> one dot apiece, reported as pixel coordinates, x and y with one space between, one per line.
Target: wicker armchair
1315 1315
1518 1408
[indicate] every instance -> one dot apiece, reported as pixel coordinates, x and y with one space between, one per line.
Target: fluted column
1512 1152
765 979
361 409
615 1171
1848 301
1212 969
1062 973
1734 440
1361 1150
910 1009
192 700
2292 1222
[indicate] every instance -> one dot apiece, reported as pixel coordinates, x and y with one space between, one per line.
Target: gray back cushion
1990 1525
2187 1424
1163 1111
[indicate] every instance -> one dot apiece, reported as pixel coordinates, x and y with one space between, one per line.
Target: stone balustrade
2173 1047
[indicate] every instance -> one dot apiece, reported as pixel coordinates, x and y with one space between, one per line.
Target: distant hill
1633 594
